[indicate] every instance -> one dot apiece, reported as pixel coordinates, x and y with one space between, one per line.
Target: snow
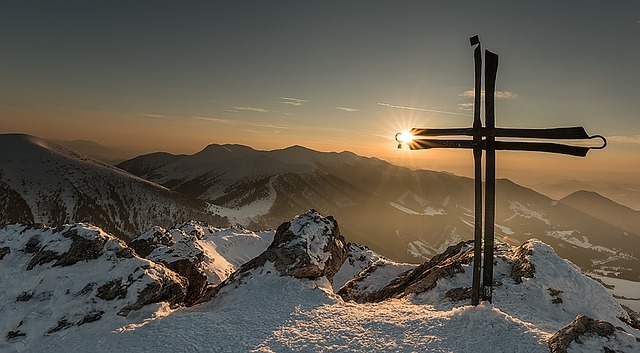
244 214
310 228
623 288
265 312
523 211
428 209
33 302
223 251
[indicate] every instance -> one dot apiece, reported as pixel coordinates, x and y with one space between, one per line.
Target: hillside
42 182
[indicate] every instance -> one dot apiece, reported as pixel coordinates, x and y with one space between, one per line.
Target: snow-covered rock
57 278
585 333
199 252
419 280
308 247
364 271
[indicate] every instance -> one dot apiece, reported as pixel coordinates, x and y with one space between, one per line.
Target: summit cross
484 139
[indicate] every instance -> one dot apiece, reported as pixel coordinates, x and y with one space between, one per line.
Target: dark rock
580 326
634 318
555 295
90 317
146 243
42 257
81 249
161 246
86 289
421 279
125 253
196 279
32 245
458 294
113 289
14 334
24 296
522 267
62 324
4 251
172 290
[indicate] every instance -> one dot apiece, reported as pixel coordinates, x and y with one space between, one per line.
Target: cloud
252 109
217 120
149 115
624 139
499 94
292 101
350 110
420 109
465 106
272 126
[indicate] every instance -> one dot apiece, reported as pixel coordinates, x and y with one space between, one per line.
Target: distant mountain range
403 214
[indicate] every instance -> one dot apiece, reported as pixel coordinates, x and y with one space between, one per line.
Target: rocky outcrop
308 247
584 329
418 280
180 252
522 266
82 272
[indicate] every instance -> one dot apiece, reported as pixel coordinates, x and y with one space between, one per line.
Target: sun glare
405 137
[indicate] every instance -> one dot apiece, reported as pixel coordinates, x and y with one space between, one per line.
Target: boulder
418 280
178 251
308 247
584 329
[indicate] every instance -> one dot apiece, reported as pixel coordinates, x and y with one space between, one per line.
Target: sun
404 136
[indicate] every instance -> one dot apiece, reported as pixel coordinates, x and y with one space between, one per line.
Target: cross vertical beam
477 165
491 71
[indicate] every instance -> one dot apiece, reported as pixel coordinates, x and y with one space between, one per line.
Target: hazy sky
329 75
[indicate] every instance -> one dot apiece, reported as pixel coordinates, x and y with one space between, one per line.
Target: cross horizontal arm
578 151
557 133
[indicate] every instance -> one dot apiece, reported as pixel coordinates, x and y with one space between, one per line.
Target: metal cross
484 138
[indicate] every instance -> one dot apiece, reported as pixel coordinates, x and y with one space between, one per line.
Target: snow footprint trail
235 323
400 326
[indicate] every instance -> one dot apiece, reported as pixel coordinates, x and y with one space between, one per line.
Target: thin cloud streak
149 115
498 94
346 109
421 109
293 101
625 139
217 120
465 106
252 109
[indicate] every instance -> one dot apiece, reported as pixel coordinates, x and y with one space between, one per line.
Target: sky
331 75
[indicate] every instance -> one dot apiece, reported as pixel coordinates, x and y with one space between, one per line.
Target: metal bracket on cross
484 139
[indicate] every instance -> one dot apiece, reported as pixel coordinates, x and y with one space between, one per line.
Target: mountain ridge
402 214
56 185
